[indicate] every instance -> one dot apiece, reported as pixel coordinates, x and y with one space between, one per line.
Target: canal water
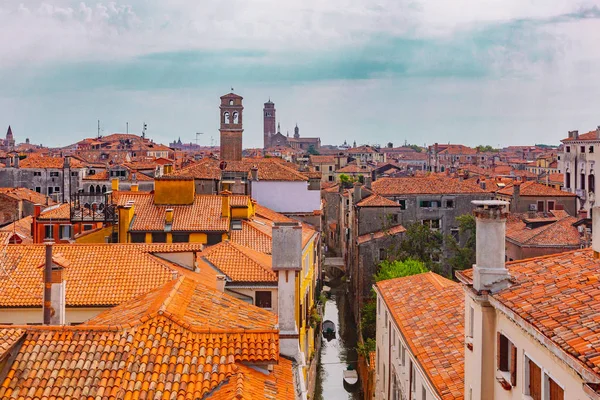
340 352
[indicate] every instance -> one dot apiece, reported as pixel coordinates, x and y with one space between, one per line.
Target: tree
487 148
390 145
311 150
422 244
463 256
416 148
397 269
346 181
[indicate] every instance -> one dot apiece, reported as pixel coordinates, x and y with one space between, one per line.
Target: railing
93 207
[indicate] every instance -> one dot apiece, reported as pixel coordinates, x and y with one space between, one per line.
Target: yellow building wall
95 237
198 238
306 292
240 213
174 191
125 217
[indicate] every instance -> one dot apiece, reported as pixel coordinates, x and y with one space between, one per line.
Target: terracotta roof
367 237
269 169
534 189
57 212
591 135
22 228
35 161
458 149
377 201
204 215
558 296
29 195
560 233
98 274
432 330
239 263
322 159
355 169
269 214
554 178
257 233
182 339
424 185
362 149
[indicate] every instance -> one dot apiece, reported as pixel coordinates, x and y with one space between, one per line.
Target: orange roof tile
558 296
239 263
21 193
560 233
269 169
591 135
424 185
433 331
22 228
367 237
36 161
377 201
57 212
98 274
534 189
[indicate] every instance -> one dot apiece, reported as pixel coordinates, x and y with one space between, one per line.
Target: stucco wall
286 196
21 316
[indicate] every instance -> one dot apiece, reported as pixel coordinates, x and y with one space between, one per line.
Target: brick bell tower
269 123
231 109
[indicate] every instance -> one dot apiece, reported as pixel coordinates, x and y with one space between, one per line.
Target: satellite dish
223 165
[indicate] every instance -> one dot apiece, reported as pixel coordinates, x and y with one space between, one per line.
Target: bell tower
269 123
231 109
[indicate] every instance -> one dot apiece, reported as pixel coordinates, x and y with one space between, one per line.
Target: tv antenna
144 130
198 136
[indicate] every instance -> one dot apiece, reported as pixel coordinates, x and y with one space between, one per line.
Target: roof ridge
164 304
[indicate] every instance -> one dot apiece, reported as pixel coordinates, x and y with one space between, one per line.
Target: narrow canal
340 352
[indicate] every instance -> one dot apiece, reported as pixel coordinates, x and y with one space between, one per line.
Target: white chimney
287 264
489 272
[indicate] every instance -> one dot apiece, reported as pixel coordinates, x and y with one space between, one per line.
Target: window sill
469 342
504 379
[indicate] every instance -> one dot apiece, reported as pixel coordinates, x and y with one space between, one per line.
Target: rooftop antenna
127 123
98 136
144 130
211 141
197 136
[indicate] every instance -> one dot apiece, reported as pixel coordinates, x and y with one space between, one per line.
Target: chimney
595 214
114 184
67 162
516 196
582 213
225 204
357 193
37 210
368 181
169 216
220 286
489 272
286 262
54 291
134 187
482 184
573 134
254 173
598 132
16 161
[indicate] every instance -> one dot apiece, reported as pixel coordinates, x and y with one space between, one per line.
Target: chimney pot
221 280
169 216
134 187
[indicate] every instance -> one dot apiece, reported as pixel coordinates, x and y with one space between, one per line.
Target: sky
509 72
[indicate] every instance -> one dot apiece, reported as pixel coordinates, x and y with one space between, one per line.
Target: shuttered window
556 392
507 358
535 381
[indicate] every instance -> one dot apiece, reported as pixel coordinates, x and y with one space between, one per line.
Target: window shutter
498 350
513 366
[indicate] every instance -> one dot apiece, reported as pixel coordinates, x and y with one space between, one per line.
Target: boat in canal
350 377
328 329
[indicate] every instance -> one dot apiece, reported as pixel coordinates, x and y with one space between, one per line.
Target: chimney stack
114 184
582 213
516 196
357 193
489 272
221 280
225 204
368 180
134 187
54 291
598 132
254 173
169 216
287 263
16 161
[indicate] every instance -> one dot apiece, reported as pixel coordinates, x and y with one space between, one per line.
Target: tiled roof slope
531 188
269 169
558 295
591 135
367 237
203 215
170 353
559 233
32 196
239 263
424 185
22 228
60 211
97 275
36 161
377 201
433 331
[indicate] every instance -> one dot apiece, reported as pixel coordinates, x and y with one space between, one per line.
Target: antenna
197 136
98 137
127 127
211 141
144 130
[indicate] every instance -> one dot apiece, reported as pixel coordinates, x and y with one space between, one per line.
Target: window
533 378
550 205
568 149
56 189
54 174
50 190
37 173
159 237
382 254
330 178
471 320
330 168
590 150
394 218
317 168
540 206
553 389
432 223
236 225
65 232
455 232
449 203
402 203
92 189
591 183
568 180
214 238
403 356
507 358
38 189
235 118
138 237
430 203
48 232
74 173
181 237
88 227
263 299
412 378
582 149
226 117
582 181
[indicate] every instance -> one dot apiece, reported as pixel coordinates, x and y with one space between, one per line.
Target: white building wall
292 197
390 362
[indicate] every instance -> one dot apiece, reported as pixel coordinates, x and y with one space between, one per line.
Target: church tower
231 109
269 123
10 140
297 132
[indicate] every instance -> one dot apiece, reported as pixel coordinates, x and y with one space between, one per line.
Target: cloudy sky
493 72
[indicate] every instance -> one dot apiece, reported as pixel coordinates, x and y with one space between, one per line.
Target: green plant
314 318
322 298
366 347
398 269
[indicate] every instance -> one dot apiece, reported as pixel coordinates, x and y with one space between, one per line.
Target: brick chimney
489 271
54 291
287 263
516 197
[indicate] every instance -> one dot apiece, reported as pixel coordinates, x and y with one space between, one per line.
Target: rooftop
534 189
424 185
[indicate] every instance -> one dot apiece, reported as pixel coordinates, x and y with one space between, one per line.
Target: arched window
92 189
591 183
230 102
235 117
226 117
97 188
101 207
103 188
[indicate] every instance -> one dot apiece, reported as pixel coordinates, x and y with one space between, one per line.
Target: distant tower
297 132
231 127
10 140
269 123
